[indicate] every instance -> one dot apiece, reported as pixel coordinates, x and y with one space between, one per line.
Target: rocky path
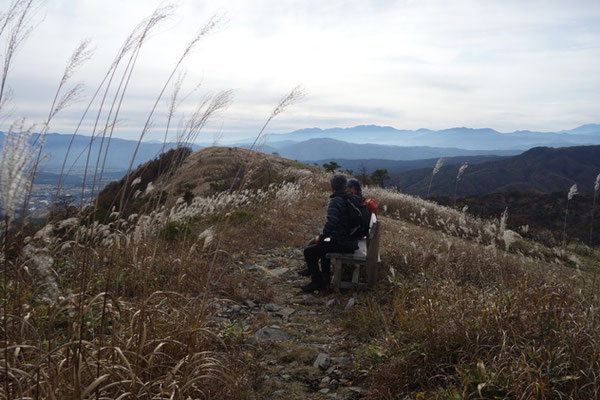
303 348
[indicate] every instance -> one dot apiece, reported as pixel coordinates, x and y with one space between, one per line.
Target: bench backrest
373 253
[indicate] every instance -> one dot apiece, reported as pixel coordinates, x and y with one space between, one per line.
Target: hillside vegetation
197 297
541 169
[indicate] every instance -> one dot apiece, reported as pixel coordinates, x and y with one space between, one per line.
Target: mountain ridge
540 169
463 137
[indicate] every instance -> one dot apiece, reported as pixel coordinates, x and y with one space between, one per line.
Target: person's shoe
311 287
305 272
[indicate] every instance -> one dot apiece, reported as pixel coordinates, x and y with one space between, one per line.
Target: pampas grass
596 189
572 192
436 169
16 162
461 171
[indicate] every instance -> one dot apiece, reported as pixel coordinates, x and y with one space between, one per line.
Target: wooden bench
366 255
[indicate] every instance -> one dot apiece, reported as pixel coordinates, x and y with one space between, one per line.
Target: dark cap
354 183
338 182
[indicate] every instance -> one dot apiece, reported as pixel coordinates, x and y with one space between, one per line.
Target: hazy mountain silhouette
119 154
464 138
322 149
540 169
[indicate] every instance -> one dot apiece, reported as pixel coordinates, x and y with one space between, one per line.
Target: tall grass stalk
596 189
461 171
62 99
109 75
18 21
5 303
201 34
572 192
145 28
436 169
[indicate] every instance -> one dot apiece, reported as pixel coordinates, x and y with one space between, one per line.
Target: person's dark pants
315 251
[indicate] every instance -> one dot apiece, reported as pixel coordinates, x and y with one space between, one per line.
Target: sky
501 64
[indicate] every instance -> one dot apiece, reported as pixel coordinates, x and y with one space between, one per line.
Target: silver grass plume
436 169
572 191
15 164
461 170
295 95
596 187
438 165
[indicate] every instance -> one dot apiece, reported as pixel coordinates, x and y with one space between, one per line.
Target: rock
340 360
326 380
272 307
323 361
236 308
249 303
331 303
333 384
280 299
286 312
324 390
286 377
308 300
278 394
330 370
267 334
280 271
350 303
356 389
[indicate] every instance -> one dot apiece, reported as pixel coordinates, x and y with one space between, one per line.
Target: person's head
338 182
353 186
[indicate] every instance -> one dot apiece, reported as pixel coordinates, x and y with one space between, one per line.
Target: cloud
503 64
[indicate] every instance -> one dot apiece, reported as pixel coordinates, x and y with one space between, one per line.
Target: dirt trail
300 340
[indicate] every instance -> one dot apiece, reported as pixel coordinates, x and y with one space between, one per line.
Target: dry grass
459 319
125 307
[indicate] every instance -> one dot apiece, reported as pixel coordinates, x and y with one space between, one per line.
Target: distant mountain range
396 150
322 149
541 169
463 138
119 154
396 166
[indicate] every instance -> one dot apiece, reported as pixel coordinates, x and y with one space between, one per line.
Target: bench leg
356 273
371 273
337 273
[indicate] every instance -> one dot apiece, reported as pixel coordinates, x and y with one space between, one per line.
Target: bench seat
365 257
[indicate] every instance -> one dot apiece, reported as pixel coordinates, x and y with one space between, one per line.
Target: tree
379 176
362 176
331 166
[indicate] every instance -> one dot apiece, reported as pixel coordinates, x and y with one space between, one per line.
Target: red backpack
371 205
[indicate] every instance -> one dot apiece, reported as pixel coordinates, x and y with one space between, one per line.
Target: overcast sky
505 64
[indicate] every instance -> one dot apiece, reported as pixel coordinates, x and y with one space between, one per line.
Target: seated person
353 187
335 237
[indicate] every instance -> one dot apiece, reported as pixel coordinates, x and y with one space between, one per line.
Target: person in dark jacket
335 237
353 187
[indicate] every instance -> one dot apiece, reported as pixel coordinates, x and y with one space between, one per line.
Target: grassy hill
197 297
537 215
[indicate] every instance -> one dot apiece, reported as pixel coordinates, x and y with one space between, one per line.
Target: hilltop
194 294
